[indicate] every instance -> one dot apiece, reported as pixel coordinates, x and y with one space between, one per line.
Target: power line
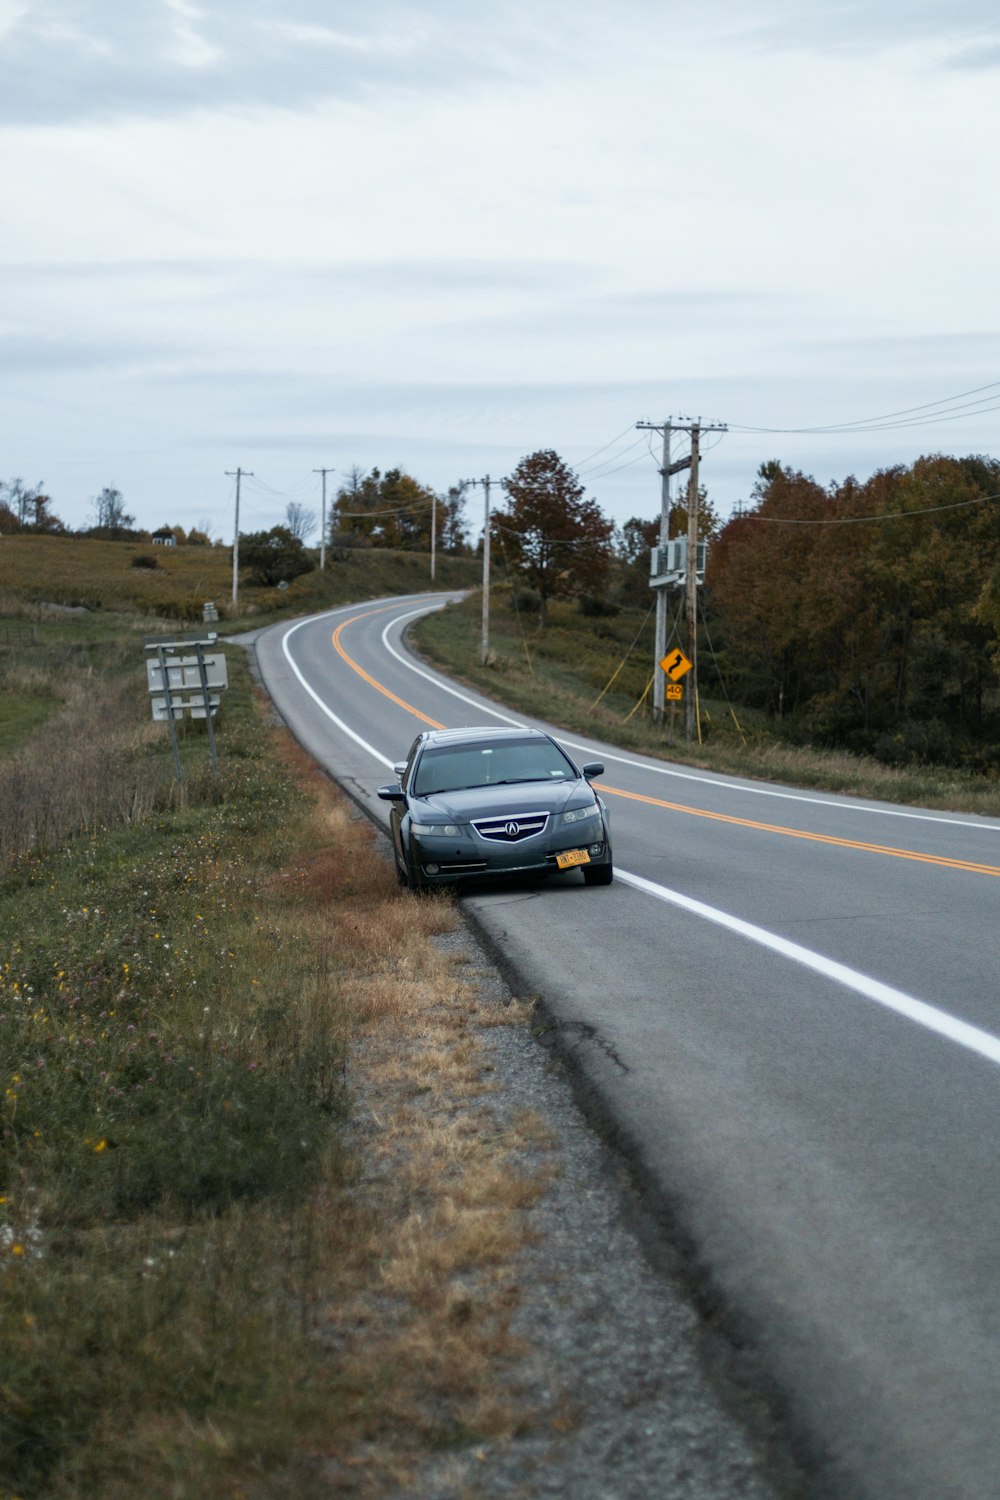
394 510
584 461
944 409
889 515
299 488
555 541
612 458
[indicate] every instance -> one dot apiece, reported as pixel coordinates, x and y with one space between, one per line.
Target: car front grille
511 829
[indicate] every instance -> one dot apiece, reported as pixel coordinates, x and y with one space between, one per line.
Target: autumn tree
452 527
27 508
929 568
868 613
760 578
385 510
548 534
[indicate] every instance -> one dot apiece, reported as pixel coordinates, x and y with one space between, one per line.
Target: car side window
407 775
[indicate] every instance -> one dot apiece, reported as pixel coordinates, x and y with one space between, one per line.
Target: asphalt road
788 1004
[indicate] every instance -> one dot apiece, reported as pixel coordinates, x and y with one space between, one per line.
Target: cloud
65 60
70 60
853 27
40 355
977 55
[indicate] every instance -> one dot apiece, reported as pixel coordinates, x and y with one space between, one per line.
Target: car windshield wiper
471 786
467 786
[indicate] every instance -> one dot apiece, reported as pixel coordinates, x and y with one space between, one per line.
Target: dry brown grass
421 1265
83 771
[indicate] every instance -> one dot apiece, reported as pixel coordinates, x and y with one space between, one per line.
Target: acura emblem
512 830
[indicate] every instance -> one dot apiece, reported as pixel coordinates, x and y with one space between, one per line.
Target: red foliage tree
558 541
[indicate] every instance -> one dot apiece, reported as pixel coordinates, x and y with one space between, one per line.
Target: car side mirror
593 768
392 793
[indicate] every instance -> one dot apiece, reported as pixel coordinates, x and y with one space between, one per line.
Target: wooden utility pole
322 531
486 482
695 429
660 643
691 584
237 474
660 638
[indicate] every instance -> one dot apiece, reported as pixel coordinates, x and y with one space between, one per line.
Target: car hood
496 801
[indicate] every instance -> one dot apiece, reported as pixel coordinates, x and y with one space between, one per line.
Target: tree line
861 615
28 508
866 615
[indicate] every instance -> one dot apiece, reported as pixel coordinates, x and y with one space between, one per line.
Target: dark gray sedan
473 803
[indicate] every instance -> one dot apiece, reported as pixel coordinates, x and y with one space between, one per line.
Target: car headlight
440 830
580 813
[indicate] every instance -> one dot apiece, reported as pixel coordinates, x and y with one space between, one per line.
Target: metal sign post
207 705
170 714
190 683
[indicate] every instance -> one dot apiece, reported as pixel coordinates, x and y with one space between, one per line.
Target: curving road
789 1005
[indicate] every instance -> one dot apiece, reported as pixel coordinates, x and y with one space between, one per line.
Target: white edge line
595 748
344 728
972 1038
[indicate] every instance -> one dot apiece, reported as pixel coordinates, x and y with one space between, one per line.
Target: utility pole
237 474
660 640
485 482
434 522
322 530
694 429
691 584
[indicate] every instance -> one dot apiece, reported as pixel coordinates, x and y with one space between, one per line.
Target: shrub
592 607
525 601
274 556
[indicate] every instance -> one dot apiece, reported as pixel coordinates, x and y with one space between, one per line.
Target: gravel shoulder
634 1393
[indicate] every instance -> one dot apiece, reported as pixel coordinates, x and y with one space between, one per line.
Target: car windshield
447 768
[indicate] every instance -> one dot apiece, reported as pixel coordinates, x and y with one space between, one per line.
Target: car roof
477 734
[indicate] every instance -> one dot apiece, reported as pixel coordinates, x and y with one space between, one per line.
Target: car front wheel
599 874
406 874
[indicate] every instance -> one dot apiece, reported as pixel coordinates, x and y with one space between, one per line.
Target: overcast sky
442 235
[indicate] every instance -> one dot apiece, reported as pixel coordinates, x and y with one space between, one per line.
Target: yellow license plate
572 857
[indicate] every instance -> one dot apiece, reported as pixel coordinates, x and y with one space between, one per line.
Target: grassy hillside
103 576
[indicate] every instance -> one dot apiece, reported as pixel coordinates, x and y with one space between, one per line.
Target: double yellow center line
801 833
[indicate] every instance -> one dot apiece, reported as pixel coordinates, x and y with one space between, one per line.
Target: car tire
598 874
408 876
